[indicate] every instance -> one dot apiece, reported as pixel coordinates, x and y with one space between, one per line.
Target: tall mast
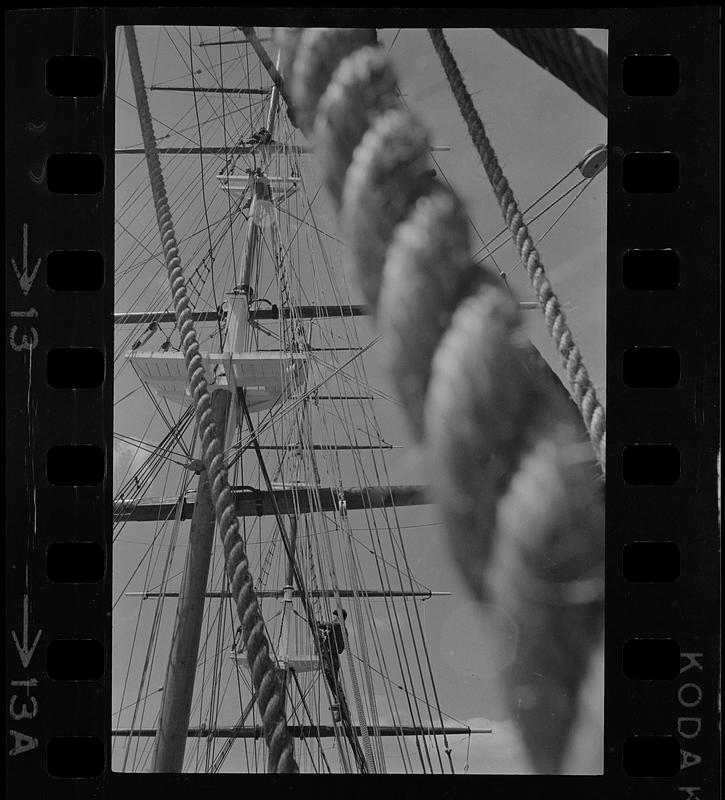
288 589
273 102
170 743
178 689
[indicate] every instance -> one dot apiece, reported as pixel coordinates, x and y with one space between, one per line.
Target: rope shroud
270 692
581 385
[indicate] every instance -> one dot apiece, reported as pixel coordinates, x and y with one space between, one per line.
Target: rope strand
582 388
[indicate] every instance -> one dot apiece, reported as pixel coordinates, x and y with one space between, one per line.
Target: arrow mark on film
23 651
25 279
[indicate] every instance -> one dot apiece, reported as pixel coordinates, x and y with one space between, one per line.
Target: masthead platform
265 377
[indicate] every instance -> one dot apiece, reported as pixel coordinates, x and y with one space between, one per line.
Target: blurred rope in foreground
515 478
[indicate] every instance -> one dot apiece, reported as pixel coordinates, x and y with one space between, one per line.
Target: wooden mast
170 744
178 689
288 590
168 751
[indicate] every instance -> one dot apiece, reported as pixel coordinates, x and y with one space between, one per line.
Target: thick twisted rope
582 388
270 692
567 55
478 396
553 599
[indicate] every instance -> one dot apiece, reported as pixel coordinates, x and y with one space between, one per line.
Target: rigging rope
568 56
264 673
517 492
581 385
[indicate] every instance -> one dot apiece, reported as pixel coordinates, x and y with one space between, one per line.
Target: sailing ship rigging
283 337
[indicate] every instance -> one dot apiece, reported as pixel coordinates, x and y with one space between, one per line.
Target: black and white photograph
359 400
363 402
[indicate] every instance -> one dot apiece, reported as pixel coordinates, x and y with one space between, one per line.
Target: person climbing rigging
332 643
262 136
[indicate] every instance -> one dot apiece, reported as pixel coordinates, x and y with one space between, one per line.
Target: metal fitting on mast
593 161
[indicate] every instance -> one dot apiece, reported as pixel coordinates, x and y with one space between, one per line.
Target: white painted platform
299 663
264 376
238 184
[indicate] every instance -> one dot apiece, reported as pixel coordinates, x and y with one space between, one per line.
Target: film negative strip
662 647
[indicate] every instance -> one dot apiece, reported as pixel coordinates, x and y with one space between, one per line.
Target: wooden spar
308 731
347 348
143 317
230 41
303 312
242 149
368 594
252 502
208 89
170 744
294 448
343 397
310 312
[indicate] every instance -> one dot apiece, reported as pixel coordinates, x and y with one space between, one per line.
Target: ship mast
178 688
